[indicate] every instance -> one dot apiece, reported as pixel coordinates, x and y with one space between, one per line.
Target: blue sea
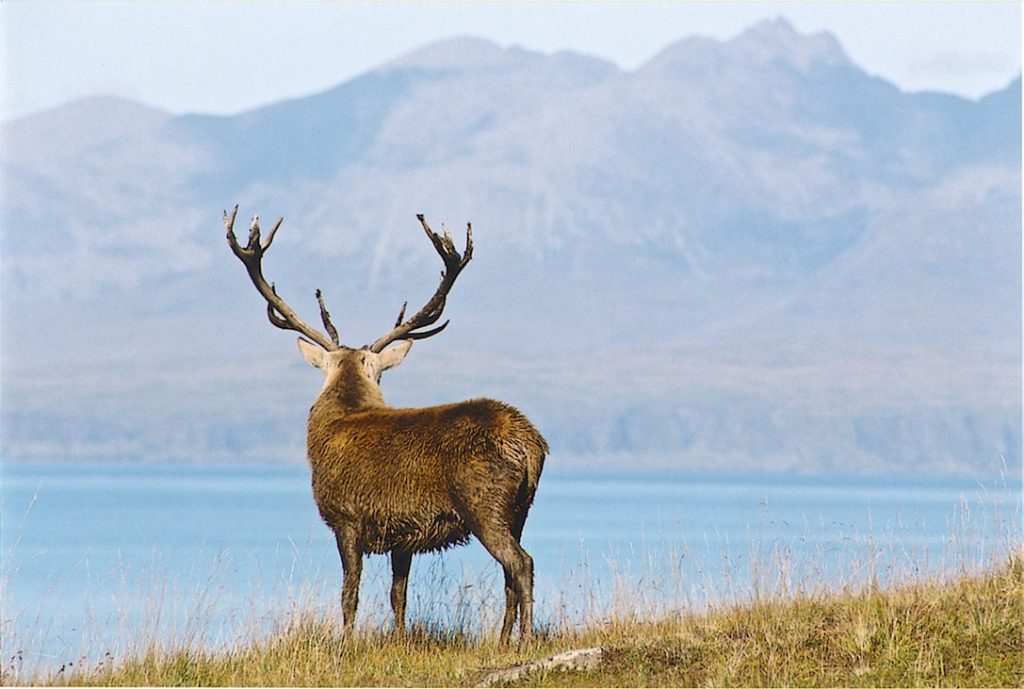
107 558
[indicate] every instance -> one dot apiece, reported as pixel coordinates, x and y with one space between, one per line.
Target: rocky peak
769 41
776 40
457 53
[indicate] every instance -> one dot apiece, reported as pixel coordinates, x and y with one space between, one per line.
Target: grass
849 613
964 632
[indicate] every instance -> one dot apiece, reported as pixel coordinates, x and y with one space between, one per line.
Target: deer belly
391 508
413 533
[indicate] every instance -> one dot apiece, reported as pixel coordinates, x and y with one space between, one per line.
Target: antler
432 310
278 312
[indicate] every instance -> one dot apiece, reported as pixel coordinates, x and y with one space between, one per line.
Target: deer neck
348 389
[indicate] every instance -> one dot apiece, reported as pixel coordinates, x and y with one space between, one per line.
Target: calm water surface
97 558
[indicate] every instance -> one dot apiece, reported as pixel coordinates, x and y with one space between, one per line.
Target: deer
403 481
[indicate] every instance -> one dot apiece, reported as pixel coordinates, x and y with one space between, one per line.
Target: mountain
743 254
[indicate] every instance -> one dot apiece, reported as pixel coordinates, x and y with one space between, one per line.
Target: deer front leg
401 562
352 567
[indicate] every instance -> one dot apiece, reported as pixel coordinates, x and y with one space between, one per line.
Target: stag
407 481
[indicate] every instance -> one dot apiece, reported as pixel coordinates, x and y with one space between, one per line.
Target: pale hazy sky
225 57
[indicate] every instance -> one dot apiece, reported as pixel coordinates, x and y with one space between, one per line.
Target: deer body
415 479
406 481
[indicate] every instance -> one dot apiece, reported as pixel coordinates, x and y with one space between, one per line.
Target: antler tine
401 314
279 313
270 237
326 318
272 315
430 313
229 224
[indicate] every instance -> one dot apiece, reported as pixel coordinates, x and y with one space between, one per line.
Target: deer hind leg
401 562
352 567
518 565
511 597
511 608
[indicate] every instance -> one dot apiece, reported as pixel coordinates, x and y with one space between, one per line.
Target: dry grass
961 624
967 632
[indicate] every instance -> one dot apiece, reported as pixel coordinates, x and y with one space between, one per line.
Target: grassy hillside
968 632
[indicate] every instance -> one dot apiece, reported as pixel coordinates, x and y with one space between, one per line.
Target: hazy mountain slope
744 254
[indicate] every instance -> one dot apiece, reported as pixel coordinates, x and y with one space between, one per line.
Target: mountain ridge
793 243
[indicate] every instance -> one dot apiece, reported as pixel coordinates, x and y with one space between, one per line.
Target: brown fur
416 480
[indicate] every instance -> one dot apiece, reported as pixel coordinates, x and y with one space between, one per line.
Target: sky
227 57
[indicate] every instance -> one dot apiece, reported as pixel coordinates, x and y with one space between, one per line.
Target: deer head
357 370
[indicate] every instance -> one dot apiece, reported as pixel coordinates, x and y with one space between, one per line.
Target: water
101 558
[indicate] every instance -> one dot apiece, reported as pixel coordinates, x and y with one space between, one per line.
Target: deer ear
312 353
394 356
